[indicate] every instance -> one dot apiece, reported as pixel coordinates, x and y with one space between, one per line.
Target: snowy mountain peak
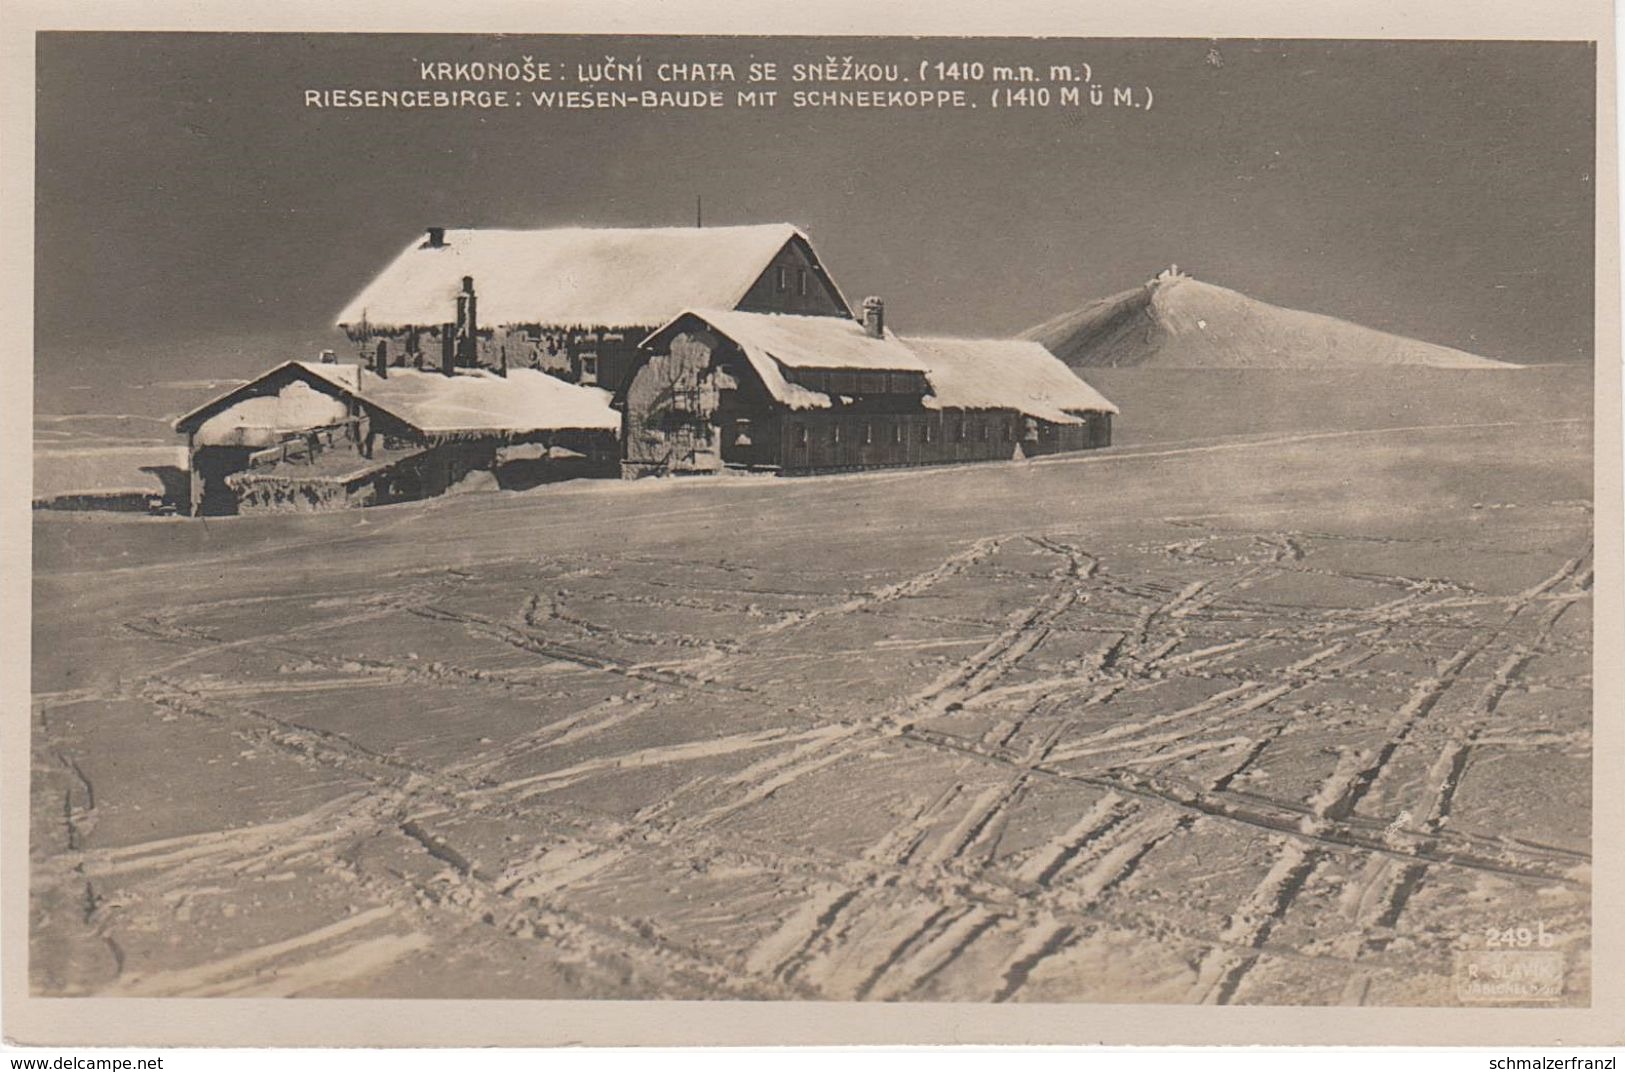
1176 321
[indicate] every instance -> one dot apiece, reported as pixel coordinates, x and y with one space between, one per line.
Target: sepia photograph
963 521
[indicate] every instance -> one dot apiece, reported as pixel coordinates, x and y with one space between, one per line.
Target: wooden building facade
728 389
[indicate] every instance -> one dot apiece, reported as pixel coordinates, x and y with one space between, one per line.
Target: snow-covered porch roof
471 402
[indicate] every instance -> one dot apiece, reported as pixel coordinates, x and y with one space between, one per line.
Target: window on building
801 281
959 431
783 277
835 432
868 433
589 368
897 432
801 435
1009 433
981 431
742 432
925 432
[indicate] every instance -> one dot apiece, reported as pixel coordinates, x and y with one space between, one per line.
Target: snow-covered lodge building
795 394
317 435
724 347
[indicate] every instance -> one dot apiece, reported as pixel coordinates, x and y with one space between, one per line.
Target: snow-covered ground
1289 716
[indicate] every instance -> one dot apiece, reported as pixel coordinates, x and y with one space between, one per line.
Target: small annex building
719 388
321 435
574 301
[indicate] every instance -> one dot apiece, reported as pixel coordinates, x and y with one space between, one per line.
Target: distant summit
1174 321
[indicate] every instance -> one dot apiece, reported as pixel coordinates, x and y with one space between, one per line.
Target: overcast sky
1439 190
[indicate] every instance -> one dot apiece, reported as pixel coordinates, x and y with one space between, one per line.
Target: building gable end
794 281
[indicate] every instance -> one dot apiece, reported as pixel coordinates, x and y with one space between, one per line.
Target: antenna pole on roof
699 210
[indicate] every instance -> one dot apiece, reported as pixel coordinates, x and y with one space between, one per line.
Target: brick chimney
874 318
437 237
380 360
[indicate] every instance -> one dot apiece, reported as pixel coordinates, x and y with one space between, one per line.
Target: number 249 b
1519 937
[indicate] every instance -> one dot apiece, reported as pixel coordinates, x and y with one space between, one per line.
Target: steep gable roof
341 381
1006 374
572 276
772 342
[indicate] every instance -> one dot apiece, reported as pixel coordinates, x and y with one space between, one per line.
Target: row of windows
869 432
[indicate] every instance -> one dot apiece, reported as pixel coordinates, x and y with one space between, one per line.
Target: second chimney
437 237
874 318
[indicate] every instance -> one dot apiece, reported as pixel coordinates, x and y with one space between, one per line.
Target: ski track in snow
1080 713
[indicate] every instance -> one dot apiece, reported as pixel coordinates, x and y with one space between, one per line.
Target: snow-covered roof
344 376
477 400
775 341
472 401
1005 373
571 276
264 419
